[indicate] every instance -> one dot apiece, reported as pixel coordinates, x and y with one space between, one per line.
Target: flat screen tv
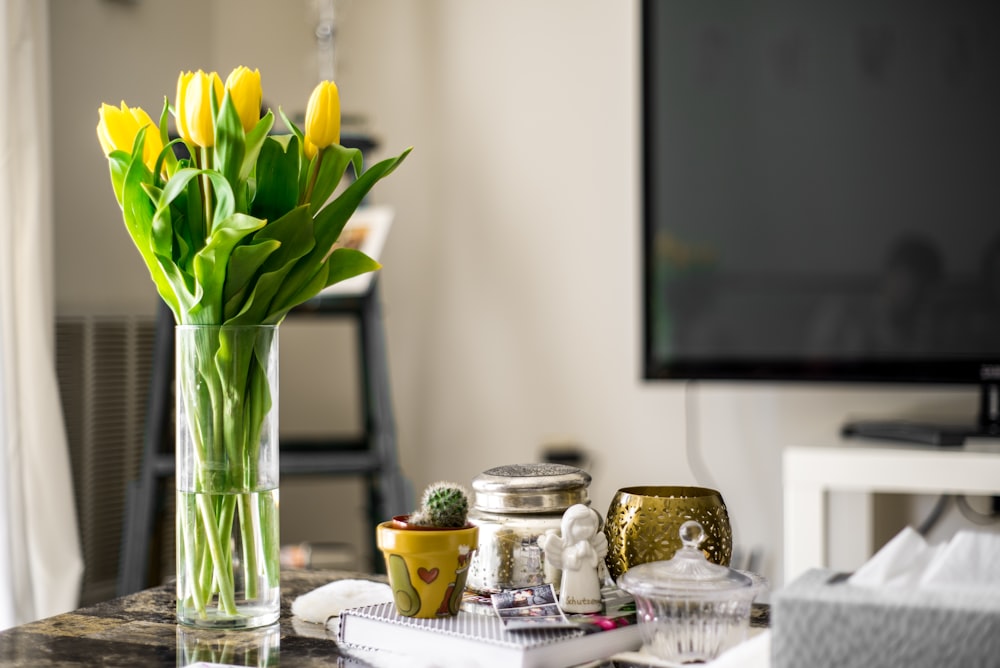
821 192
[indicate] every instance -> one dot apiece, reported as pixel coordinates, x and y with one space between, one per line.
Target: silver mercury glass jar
514 505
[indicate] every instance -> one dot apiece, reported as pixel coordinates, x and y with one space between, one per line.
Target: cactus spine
443 505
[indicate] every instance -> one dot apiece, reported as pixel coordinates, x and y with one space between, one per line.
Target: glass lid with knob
688 574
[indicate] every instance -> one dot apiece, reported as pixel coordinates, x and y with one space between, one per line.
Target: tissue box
820 620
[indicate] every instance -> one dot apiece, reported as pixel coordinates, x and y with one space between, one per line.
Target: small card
529 608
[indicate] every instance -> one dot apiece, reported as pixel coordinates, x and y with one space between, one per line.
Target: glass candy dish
690 609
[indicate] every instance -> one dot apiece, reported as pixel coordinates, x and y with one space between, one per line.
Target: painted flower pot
427 567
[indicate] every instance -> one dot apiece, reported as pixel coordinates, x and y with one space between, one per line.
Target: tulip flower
235 235
117 128
195 122
323 116
244 89
310 148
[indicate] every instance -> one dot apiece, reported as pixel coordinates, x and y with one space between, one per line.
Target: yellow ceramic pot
427 567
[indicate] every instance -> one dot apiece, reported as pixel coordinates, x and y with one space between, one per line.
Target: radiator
103 366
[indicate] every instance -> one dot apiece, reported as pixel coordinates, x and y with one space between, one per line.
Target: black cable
974 515
935 515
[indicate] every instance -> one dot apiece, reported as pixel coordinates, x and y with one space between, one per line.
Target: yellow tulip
323 116
194 106
244 89
310 148
117 128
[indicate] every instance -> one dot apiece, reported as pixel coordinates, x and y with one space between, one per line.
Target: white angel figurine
577 552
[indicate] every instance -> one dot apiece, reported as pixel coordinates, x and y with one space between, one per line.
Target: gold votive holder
644 521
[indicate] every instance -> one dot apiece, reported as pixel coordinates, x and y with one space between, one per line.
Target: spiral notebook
482 641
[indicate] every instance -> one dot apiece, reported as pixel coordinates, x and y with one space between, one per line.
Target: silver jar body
508 556
513 506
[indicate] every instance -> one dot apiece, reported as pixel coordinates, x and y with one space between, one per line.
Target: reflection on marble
142 630
253 647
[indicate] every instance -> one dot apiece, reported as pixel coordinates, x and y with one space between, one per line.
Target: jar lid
687 575
530 488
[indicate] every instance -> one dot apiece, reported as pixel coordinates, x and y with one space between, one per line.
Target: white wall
512 274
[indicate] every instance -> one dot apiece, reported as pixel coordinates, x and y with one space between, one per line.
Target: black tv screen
821 190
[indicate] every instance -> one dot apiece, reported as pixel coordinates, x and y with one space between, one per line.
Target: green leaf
211 263
255 139
230 145
291 126
257 305
137 211
118 163
277 179
329 167
189 227
330 220
224 202
328 225
310 287
243 264
304 169
295 232
162 229
168 157
177 184
343 263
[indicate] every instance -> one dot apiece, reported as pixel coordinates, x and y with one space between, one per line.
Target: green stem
189 553
248 534
206 190
223 576
227 510
313 175
271 538
224 387
205 574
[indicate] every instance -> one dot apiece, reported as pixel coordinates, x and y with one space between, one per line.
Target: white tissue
324 602
970 560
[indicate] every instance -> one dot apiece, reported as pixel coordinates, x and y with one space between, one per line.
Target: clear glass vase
227 476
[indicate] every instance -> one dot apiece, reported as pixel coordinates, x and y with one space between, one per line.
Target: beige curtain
40 562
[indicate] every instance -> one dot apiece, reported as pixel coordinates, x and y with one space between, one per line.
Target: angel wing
600 544
552 545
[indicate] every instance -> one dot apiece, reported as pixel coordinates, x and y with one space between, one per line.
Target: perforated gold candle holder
643 524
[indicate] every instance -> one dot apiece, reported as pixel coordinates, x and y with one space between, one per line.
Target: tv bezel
881 370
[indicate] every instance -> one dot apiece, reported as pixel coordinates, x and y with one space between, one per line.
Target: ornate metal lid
530 488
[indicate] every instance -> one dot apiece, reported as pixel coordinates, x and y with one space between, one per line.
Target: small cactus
444 505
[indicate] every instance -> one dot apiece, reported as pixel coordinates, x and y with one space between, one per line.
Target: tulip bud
244 90
117 128
310 148
323 116
195 122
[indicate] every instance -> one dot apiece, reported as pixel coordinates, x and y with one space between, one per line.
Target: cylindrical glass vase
227 476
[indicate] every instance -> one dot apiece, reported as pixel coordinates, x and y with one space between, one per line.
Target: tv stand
811 472
987 425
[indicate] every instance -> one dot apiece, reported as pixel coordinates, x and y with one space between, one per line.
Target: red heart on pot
427 576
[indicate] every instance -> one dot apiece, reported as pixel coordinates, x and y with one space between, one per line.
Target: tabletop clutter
524 571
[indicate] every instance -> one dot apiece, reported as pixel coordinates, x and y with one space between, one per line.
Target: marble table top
141 630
